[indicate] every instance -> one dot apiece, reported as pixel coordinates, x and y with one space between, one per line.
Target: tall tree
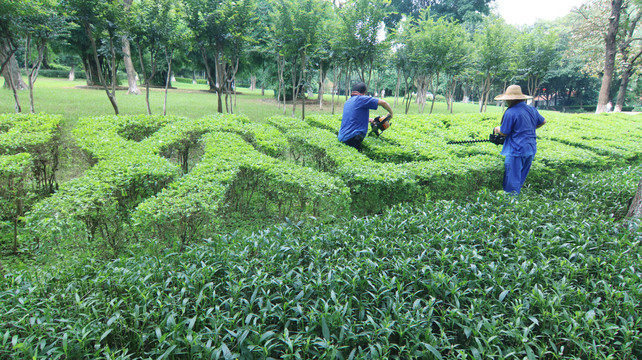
298 24
436 45
492 43
214 25
41 25
461 10
403 60
361 33
629 49
98 20
147 36
536 53
11 13
610 51
175 34
127 57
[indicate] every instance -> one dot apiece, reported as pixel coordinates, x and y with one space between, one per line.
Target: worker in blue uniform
356 116
518 126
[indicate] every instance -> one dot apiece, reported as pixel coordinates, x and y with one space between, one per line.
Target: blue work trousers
516 169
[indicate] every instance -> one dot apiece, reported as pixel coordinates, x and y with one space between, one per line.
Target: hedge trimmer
493 138
379 124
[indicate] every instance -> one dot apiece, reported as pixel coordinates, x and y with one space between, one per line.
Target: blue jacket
356 112
519 124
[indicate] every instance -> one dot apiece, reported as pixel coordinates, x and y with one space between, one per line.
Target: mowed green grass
72 100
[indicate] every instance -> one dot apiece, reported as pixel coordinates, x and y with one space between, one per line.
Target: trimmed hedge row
567 144
223 173
409 163
232 177
38 135
375 185
476 279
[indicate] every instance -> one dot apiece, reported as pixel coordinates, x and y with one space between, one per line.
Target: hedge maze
553 274
176 180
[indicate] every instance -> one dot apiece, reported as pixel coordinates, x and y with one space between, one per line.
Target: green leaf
192 321
105 334
168 352
325 329
529 352
433 351
502 296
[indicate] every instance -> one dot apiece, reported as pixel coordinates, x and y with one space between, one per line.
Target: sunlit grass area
73 99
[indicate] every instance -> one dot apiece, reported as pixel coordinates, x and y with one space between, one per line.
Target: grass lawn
73 100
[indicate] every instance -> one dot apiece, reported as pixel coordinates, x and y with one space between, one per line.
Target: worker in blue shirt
356 116
518 126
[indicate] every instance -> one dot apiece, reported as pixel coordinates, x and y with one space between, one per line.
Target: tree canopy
456 49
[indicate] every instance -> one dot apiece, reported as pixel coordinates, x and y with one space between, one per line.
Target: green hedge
190 81
410 162
551 275
38 135
232 177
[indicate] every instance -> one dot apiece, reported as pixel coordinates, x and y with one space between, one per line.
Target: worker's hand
371 120
389 116
496 130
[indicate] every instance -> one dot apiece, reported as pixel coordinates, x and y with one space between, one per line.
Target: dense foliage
177 180
161 249
553 274
462 50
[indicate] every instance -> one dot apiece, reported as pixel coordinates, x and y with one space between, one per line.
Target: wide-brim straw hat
513 92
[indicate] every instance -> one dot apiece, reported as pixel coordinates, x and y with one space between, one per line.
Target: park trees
98 20
41 24
461 10
36 23
361 34
609 54
612 50
436 47
629 49
219 30
492 55
160 28
11 13
297 32
536 54
127 57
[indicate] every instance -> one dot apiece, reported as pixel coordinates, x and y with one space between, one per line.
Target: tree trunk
127 59
145 78
72 73
609 56
397 87
235 69
169 57
220 76
434 89
11 71
17 106
621 93
33 74
322 76
129 68
635 210
335 86
111 97
303 81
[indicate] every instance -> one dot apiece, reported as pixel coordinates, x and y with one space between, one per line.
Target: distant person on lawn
356 116
518 125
